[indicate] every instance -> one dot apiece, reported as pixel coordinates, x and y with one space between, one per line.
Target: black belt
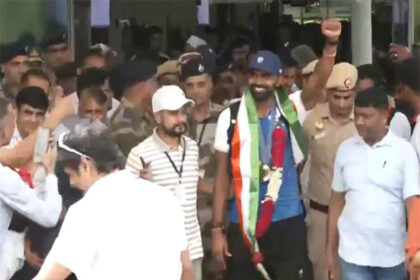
315 205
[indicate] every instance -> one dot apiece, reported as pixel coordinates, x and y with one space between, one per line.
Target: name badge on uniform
319 136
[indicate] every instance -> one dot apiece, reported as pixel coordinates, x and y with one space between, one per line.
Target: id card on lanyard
178 186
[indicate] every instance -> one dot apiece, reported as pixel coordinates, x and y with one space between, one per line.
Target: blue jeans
351 271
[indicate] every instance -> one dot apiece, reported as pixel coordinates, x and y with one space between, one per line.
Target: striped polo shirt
153 150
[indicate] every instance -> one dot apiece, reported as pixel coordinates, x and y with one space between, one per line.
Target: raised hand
331 29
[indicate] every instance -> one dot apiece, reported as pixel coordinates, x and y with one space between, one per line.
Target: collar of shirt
324 111
387 141
162 146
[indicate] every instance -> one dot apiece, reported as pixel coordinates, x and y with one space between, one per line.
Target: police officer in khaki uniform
326 127
133 121
196 79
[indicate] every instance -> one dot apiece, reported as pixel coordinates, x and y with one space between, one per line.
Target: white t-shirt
300 108
377 180
415 138
123 228
400 125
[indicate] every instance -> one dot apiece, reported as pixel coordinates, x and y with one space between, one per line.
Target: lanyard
181 168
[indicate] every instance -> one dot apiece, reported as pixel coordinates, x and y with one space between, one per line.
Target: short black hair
35 72
93 139
92 77
34 97
375 97
369 71
408 73
96 94
240 42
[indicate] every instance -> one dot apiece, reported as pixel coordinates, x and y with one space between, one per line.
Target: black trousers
283 247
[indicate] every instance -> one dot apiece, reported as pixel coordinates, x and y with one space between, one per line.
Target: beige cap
169 67
343 77
310 67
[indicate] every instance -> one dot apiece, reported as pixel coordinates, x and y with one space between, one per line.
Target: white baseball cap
170 98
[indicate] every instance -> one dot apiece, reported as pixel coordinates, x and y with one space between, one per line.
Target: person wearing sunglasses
117 230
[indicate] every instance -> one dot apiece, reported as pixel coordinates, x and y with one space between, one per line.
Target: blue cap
266 61
10 51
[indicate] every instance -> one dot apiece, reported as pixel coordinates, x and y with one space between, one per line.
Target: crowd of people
255 166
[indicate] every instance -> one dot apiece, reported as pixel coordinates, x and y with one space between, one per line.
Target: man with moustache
258 147
325 128
170 159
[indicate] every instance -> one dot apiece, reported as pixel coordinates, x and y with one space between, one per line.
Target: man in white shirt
117 230
32 105
172 162
398 121
376 176
41 206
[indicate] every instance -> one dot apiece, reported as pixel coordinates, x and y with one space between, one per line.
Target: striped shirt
163 173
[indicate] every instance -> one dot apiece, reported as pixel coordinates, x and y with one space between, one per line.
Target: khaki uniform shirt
324 136
131 125
204 133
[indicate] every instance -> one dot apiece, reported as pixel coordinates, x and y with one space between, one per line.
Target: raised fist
331 29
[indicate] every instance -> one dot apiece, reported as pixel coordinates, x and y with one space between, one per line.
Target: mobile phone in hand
41 144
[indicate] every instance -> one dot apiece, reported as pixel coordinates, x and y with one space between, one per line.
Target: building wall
20 16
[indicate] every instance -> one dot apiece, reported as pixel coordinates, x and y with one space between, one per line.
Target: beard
176 130
261 95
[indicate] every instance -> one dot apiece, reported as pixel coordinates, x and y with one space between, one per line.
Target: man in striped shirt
170 159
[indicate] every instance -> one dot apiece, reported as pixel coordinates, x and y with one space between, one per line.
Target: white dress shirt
377 180
123 228
42 207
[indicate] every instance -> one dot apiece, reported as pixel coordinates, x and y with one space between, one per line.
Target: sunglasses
63 146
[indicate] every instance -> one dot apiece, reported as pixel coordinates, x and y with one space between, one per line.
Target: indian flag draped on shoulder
249 171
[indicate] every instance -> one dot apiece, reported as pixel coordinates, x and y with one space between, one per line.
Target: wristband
329 54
